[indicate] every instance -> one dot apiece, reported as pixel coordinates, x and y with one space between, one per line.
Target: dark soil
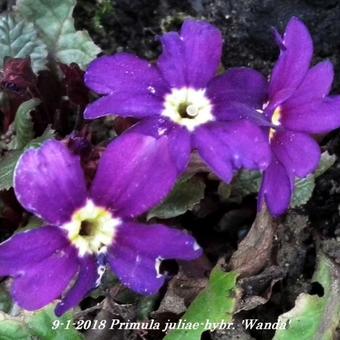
124 25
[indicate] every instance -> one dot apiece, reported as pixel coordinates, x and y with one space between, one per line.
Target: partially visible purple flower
182 97
298 106
85 230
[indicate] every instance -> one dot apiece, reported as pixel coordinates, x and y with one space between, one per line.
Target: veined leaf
211 308
23 124
53 20
7 166
8 163
13 330
38 325
187 193
248 182
5 299
49 133
304 186
19 39
41 326
315 317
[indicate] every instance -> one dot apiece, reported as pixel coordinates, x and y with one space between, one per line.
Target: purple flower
87 229
182 97
297 107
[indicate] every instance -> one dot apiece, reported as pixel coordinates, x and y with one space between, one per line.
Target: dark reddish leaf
74 84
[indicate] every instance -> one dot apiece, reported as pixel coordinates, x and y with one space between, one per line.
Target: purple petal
50 183
234 111
276 188
134 87
179 138
139 249
203 49
226 146
238 85
278 39
23 250
135 173
86 281
125 105
192 57
293 62
299 153
172 62
315 86
45 281
124 73
313 117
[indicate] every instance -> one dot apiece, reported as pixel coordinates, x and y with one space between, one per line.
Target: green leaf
53 20
304 187
216 303
314 317
187 193
19 39
23 124
38 325
49 133
9 161
245 183
41 326
5 299
248 182
326 162
33 223
7 166
13 330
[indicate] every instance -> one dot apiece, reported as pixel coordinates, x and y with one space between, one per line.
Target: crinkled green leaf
303 191
13 330
326 162
33 222
215 303
186 194
53 20
304 186
38 325
9 161
224 191
315 317
19 39
248 182
7 166
245 183
5 299
23 124
49 133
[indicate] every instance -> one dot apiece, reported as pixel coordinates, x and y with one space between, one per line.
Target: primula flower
297 107
182 97
85 230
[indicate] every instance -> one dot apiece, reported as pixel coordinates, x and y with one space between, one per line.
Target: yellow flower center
91 229
275 121
188 107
